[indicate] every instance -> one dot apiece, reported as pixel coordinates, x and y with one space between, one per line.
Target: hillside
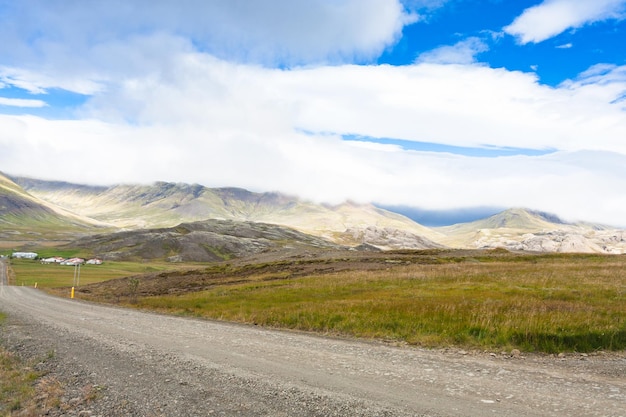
165 204
24 217
529 230
36 206
206 241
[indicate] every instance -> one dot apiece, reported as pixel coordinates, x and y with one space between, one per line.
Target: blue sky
554 60
433 104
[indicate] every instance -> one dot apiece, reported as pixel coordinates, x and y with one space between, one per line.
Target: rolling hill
204 241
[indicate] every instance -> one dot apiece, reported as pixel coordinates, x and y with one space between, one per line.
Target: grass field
488 300
539 303
29 272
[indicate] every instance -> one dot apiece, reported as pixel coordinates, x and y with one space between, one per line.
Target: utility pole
76 279
76 274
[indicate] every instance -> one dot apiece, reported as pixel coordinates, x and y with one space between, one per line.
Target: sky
437 105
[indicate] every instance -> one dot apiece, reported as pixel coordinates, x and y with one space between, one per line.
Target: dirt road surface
145 364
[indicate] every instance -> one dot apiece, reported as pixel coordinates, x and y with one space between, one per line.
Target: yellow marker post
72 295
35 285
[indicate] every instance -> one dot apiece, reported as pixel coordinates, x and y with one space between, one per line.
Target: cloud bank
262 97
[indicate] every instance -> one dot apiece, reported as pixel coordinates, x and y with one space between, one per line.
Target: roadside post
76 278
76 274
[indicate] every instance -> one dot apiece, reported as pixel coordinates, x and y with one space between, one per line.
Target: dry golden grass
537 303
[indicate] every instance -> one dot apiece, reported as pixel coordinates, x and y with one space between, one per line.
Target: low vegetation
28 272
473 299
493 300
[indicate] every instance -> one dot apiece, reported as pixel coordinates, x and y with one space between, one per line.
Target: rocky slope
206 241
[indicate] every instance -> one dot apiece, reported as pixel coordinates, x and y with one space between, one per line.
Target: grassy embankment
547 303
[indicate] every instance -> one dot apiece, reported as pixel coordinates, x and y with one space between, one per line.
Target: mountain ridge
167 204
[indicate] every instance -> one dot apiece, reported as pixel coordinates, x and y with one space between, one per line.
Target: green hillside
24 217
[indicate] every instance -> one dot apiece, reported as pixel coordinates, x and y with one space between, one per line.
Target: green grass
28 272
542 303
537 303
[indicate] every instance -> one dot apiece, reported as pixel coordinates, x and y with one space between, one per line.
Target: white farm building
24 255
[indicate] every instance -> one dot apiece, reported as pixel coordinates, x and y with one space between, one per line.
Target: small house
73 261
53 260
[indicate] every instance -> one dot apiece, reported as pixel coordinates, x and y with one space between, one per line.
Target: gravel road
145 364
4 279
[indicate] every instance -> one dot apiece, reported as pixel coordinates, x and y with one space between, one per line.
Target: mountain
152 213
164 204
515 219
24 217
529 230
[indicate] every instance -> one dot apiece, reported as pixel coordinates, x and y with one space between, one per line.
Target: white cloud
552 17
85 46
21 102
37 82
462 105
463 52
200 119
600 76
165 106
268 32
321 168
